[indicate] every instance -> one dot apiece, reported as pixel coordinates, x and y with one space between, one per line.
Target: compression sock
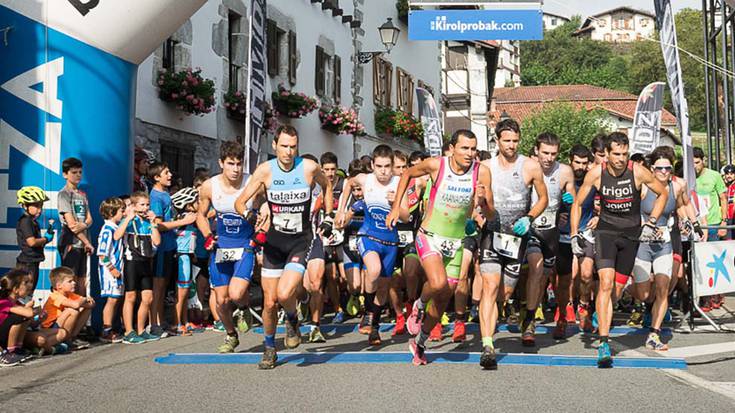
487 342
655 330
377 312
460 317
270 340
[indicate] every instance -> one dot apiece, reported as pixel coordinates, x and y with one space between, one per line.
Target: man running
287 181
232 258
458 183
618 181
377 243
504 239
543 246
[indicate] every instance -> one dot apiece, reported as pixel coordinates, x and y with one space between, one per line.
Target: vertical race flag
430 121
646 132
256 82
667 30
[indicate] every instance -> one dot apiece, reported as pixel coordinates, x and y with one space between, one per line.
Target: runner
287 181
459 183
543 246
354 220
405 245
504 238
377 243
619 182
231 259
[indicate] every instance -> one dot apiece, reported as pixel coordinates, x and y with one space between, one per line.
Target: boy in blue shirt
185 201
110 253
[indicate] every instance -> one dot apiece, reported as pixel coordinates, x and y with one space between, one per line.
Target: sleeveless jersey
620 202
588 210
650 199
377 209
547 219
233 231
450 200
511 195
289 199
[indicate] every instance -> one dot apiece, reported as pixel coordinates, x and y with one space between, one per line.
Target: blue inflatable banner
475 25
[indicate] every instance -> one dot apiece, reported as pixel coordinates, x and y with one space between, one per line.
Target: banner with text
475 25
430 121
257 93
645 134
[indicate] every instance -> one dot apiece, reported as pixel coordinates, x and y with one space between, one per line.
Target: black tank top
620 203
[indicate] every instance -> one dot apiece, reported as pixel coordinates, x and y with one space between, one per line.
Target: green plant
191 93
341 120
236 102
293 104
398 123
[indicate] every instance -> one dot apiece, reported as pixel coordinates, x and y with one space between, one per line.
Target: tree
572 125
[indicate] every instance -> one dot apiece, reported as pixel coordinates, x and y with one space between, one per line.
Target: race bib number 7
228 255
289 223
507 245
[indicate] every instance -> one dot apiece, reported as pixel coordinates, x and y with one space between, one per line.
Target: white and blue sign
475 25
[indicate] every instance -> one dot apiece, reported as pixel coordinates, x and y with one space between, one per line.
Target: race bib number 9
288 223
228 255
507 245
545 221
405 238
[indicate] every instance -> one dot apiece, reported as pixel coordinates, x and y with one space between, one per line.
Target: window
292 57
553 21
234 49
337 62
644 22
601 23
168 58
271 33
382 75
404 88
180 160
457 57
608 37
320 73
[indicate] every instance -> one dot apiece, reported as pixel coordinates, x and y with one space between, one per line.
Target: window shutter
292 57
409 95
337 79
388 82
377 82
272 47
319 72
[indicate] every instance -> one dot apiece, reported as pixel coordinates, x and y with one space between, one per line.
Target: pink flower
238 93
184 84
284 93
174 95
189 97
194 82
227 105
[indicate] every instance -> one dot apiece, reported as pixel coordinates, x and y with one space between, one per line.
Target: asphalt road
127 378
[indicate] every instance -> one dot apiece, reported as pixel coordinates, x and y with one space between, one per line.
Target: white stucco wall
639 24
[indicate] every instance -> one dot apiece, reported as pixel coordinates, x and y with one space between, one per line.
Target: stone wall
149 136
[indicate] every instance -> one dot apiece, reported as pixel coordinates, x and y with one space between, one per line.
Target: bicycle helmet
184 197
31 195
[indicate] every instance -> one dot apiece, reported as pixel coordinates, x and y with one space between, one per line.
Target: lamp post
388 35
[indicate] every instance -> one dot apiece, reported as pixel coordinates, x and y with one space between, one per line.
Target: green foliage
192 94
570 124
398 123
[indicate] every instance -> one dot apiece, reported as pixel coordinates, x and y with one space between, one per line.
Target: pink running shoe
418 352
413 323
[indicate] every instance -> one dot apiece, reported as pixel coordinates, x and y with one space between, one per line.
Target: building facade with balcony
619 25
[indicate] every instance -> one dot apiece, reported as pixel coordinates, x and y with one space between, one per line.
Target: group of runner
409 232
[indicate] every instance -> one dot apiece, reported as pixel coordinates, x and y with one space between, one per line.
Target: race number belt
228 254
448 247
405 238
507 245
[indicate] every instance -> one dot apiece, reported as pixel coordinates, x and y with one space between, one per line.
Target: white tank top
223 202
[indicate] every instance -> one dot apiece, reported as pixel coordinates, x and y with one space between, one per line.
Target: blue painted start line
471 328
365 357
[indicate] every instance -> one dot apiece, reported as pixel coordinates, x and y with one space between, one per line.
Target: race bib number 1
228 255
507 245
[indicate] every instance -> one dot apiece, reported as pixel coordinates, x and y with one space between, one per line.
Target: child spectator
141 240
110 253
14 316
30 241
74 245
65 309
204 295
185 201
166 265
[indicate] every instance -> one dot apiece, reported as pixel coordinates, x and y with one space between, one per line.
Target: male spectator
140 170
712 193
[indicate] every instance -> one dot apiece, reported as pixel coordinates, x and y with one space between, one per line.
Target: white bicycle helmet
184 197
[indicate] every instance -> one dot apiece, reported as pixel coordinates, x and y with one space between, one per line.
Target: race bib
507 245
447 246
352 243
545 221
405 238
228 255
288 223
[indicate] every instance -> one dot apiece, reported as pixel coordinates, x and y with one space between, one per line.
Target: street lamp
388 35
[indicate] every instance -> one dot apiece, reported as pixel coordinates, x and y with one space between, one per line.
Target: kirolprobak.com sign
475 25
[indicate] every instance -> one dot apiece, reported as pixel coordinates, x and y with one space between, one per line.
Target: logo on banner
717 268
475 25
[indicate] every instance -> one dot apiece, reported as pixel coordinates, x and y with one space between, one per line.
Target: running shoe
269 359
146 336
474 314
585 323
339 318
604 356
181 330
293 335
400 327
194 328
528 333
24 354
487 359
374 337
218 326
436 333
595 323
61 348
77 344
560 331
157 331
445 319
353 305
8 359
653 342
716 301
540 313
511 317
366 324
244 321
459 335
418 352
408 307
111 337
229 345
570 318
413 323
706 305
316 336
133 338
635 320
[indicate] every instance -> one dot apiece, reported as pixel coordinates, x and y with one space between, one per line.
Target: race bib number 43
507 245
228 255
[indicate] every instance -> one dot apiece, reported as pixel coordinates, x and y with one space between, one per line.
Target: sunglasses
663 168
